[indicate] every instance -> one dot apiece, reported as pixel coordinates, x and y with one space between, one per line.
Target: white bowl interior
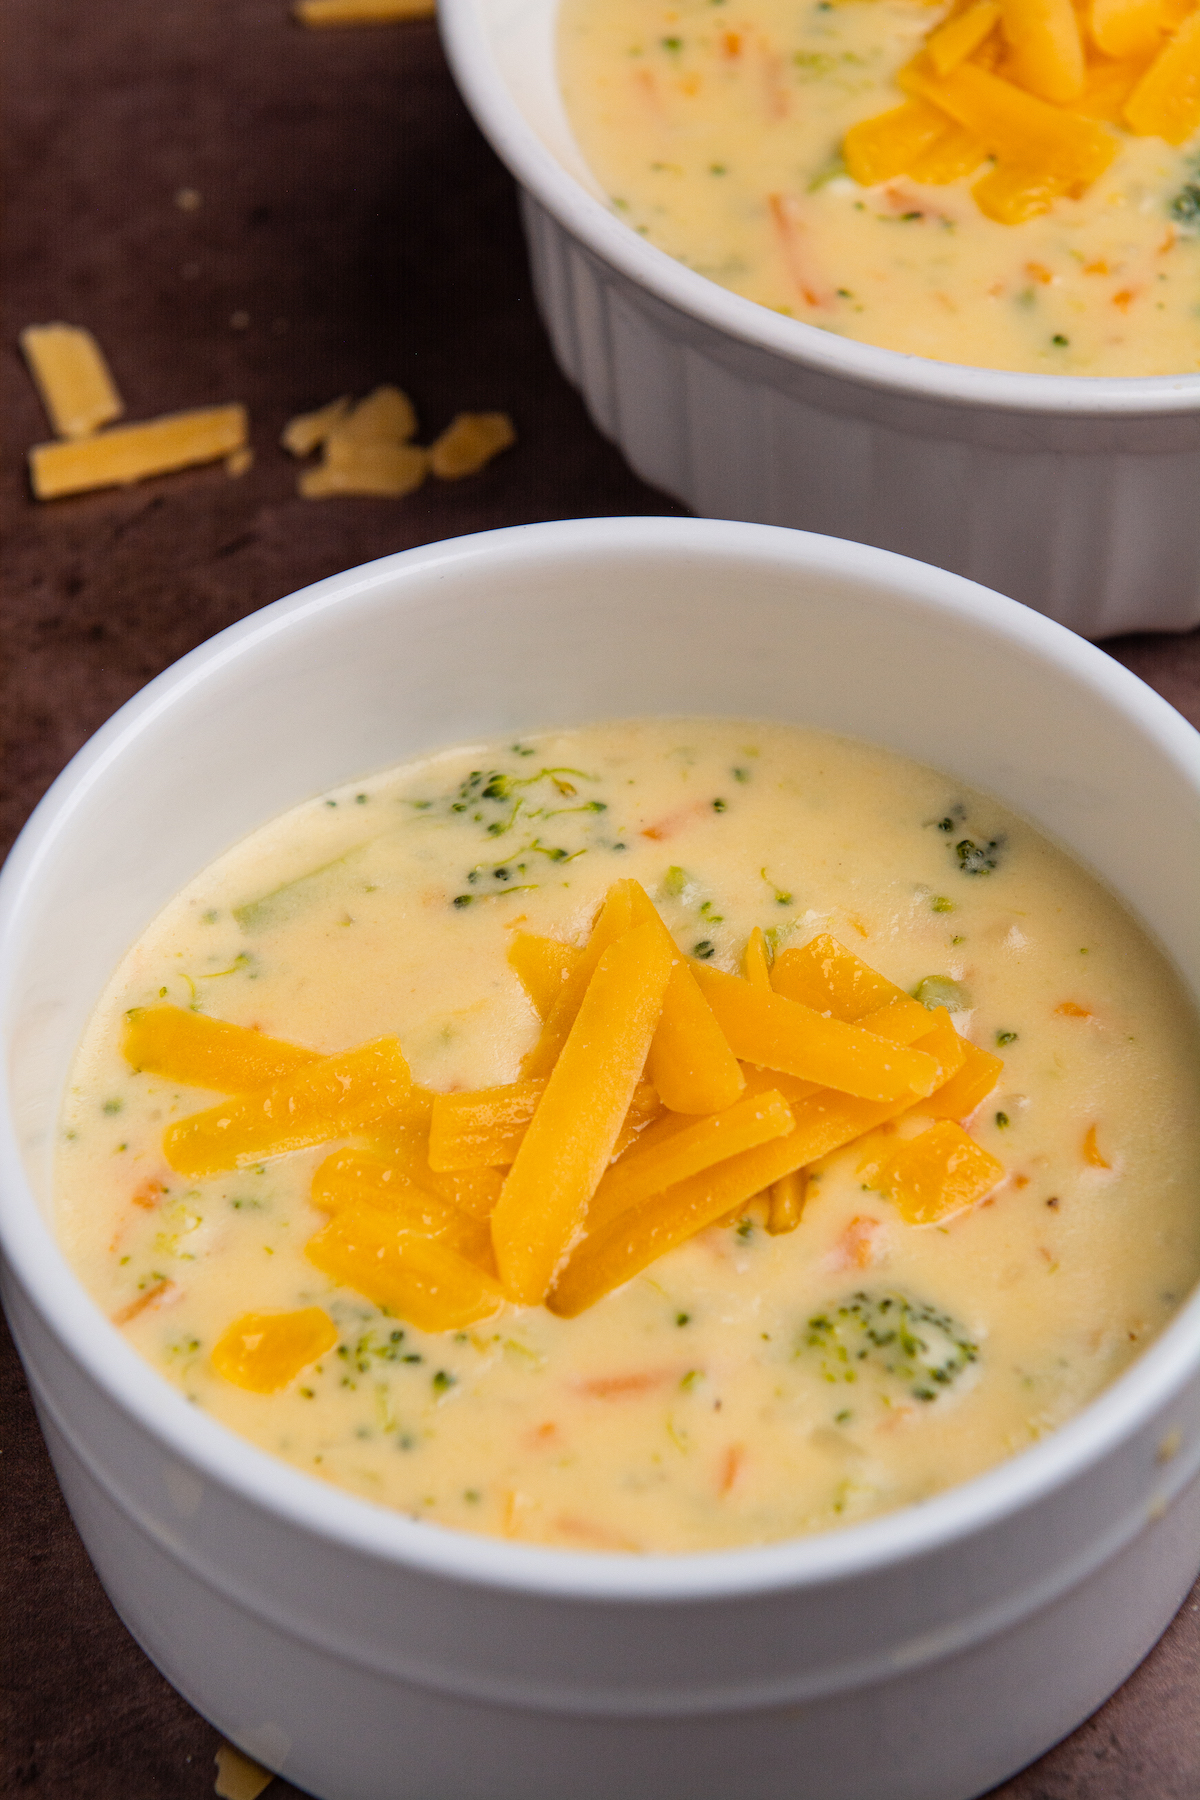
521 36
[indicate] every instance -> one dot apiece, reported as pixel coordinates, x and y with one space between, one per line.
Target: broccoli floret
977 859
890 1339
1185 207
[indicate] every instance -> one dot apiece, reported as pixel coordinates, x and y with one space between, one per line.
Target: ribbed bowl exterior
1072 494
1092 521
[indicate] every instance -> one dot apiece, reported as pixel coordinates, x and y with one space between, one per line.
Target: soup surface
716 127
746 1387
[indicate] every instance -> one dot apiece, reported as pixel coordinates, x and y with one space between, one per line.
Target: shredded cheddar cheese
1031 115
594 1173
469 442
238 1777
320 14
129 453
72 377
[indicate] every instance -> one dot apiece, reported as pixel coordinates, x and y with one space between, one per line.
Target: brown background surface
351 210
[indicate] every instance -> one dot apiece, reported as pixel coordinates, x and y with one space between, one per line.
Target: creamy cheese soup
745 1387
717 128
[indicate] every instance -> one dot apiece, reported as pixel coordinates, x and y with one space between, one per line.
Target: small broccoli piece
899 1343
1185 207
939 990
977 859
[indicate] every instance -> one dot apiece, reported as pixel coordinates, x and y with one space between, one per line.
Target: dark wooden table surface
351 228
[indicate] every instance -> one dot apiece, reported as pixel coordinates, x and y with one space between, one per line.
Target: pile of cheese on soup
656 1136
1008 183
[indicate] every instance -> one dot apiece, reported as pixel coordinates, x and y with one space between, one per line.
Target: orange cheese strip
756 964
403 1140
410 1125
903 1020
473 1191
405 1147
483 1126
386 416
954 41
669 1124
469 443
126 453
571 1137
971 1083
690 1063
330 1098
349 1177
207 1053
649 1170
939 1173
1020 128
264 1351
1126 28
941 1042
308 431
778 1033
365 467
786 1203
956 154
72 377
1011 193
541 965
825 1121
880 148
830 978
951 1052
615 916
1108 87
325 14
766 1081
1166 101
1046 48
419 1278
638 1236
644 1108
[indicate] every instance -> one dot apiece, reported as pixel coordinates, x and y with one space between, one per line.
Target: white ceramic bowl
1073 495
922 1656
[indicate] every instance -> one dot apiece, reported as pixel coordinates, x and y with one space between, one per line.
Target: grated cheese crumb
239 462
238 1778
387 415
369 468
308 431
318 13
470 441
72 377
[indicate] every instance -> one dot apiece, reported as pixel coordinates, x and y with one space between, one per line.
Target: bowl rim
587 219
322 1510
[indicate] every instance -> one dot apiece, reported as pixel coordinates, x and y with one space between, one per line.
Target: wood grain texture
352 229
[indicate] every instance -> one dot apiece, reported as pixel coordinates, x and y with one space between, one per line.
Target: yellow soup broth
746 1387
717 129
